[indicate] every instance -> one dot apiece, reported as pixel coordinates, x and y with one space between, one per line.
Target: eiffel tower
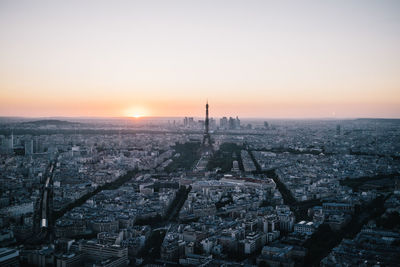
207 144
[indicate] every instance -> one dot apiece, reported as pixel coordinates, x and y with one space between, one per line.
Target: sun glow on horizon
136 112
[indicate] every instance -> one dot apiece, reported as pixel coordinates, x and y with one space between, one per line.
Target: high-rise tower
207 145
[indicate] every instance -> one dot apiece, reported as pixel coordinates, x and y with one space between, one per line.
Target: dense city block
187 192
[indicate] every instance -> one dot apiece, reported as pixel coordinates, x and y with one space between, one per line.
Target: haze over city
274 59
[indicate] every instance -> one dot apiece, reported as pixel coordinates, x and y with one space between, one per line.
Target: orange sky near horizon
267 59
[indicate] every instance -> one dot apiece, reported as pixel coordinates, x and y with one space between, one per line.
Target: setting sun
136 112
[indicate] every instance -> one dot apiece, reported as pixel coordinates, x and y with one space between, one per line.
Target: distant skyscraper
223 123
213 123
232 123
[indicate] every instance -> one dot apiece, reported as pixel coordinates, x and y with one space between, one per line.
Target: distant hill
50 122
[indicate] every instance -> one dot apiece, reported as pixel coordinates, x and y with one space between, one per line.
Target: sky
271 59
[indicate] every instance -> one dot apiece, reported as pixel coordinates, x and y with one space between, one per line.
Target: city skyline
200 133
258 59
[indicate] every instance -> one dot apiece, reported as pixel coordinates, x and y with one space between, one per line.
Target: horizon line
166 117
